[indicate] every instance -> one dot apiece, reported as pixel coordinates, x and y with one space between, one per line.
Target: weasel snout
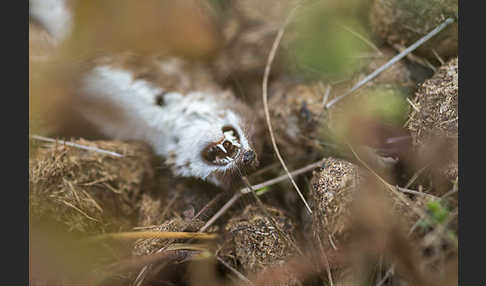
249 158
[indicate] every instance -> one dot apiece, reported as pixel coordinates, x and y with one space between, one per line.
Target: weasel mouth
224 151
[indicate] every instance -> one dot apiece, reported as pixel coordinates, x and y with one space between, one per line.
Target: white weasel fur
178 130
53 15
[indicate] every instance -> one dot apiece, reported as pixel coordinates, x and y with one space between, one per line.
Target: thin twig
271 56
415 59
236 272
284 177
416 175
395 59
408 191
451 192
328 266
221 211
387 274
438 57
243 191
326 94
89 148
413 105
332 242
388 186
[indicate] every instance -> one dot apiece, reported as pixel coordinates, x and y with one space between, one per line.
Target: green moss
438 214
388 104
326 43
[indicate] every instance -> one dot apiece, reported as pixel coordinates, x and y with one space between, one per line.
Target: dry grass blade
362 38
395 191
147 268
413 105
326 94
408 191
174 252
389 187
247 190
328 266
271 56
221 211
236 272
153 234
284 177
395 59
89 148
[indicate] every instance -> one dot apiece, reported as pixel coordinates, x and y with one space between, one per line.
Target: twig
244 191
408 191
89 148
80 211
416 59
416 175
236 272
271 56
328 266
395 59
332 242
413 105
388 186
451 192
326 95
387 274
438 57
221 211
284 177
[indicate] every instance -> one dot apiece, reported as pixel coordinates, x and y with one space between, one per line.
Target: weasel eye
224 151
159 99
227 145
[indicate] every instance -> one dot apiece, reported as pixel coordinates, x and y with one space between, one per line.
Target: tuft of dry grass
404 22
86 191
434 123
254 243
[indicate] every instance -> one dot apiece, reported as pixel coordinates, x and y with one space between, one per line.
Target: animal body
202 130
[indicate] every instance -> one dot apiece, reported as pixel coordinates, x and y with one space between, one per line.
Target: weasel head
216 141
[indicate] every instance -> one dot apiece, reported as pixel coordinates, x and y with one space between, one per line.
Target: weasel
200 129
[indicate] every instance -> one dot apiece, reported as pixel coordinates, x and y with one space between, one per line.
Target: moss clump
86 191
255 244
404 22
332 190
295 111
434 122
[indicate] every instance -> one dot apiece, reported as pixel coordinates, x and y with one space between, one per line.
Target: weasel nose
248 157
